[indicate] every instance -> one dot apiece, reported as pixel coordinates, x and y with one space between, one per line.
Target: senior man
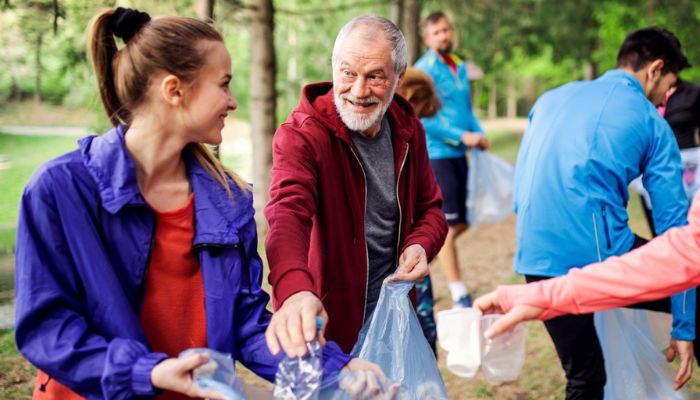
353 198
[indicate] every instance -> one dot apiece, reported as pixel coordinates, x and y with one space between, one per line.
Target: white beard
360 122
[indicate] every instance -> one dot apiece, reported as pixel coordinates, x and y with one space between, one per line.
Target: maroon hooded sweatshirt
316 211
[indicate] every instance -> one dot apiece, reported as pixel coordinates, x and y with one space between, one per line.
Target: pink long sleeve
665 266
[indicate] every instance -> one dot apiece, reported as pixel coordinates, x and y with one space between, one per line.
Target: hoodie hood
317 102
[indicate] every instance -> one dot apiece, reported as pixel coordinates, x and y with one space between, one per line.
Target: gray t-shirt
381 210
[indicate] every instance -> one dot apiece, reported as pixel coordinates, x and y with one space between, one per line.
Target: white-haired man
352 194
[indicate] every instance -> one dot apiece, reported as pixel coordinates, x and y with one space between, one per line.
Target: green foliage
538 44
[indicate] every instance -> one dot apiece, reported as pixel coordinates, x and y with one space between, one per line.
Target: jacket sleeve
53 329
662 178
429 224
253 316
439 128
664 266
289 212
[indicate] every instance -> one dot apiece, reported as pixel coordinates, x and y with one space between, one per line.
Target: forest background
522 47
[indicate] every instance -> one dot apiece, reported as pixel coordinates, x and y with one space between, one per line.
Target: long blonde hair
167 43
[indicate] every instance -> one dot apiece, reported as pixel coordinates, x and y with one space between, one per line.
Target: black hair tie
127 21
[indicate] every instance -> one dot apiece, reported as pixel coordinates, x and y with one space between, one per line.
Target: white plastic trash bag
461 334
634 363
489 188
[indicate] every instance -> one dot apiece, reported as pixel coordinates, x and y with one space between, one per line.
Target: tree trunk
410 22
512 101
588 71
651 7
37 68
262 101
292 85
205 12
396 12
493 96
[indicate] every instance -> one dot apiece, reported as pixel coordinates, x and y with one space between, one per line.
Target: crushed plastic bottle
299 378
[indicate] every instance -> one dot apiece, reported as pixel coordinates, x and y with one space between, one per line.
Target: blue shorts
451 176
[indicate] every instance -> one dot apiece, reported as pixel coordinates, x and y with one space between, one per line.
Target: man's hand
413 265
475 140
294 324
488 304
684 349
175 374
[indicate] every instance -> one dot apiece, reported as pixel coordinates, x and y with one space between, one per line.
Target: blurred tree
37 18
263 98
406 15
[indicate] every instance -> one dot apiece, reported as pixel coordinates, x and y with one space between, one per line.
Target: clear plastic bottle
299 378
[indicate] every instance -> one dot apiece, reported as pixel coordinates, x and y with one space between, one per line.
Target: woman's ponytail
102 48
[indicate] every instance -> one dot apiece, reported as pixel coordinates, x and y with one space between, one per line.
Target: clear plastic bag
218 374
502 357
393 339
358 385
634 364
299 378
489 188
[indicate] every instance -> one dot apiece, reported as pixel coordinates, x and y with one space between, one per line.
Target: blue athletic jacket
586 141
444 130
83 244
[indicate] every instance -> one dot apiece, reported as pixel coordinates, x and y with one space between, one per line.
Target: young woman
140 244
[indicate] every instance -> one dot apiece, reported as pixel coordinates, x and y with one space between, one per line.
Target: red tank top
172 314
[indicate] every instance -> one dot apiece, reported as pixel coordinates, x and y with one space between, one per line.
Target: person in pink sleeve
666 265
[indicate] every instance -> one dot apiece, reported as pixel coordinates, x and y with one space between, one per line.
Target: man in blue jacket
448 134
585 143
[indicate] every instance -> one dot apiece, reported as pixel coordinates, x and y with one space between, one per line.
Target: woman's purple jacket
83 245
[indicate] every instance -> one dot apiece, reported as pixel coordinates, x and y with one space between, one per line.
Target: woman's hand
175 374
488 304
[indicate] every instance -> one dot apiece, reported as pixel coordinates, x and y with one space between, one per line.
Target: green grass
505 144
25 154
16 374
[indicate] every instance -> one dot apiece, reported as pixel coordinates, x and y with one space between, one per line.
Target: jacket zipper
364 310
398 203
605 227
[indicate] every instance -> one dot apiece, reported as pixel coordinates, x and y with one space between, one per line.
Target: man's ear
401 76
654 70
171 90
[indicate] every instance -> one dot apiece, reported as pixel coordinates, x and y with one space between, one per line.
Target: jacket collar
625 78
317 101
218 217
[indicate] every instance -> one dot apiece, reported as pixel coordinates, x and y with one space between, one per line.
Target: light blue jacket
444 130
586 141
